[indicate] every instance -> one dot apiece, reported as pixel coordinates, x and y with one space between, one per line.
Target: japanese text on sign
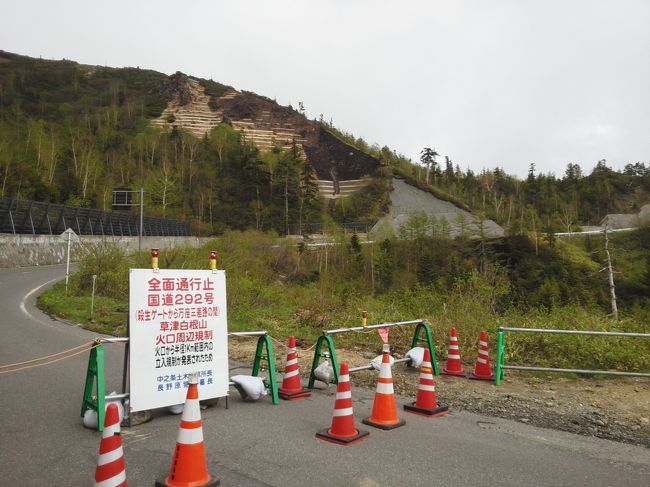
178 324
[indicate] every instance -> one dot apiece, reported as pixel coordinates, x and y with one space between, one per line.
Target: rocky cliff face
177 86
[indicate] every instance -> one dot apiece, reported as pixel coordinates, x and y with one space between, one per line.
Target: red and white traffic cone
454 365
291 387
189 464
384 410
482 370
110 471
426 402
343 431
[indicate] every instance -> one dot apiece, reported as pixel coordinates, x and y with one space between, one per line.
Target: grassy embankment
274 286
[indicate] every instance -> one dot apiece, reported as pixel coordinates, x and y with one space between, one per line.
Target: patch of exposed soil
249 106
617 409
335 160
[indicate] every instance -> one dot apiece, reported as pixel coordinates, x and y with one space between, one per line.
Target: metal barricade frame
501 351
326 339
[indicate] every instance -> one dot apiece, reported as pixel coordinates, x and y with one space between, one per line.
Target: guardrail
320 228
501 352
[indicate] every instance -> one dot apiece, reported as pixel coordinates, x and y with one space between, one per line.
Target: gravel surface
616 409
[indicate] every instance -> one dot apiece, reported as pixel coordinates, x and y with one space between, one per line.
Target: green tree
385 265
428 159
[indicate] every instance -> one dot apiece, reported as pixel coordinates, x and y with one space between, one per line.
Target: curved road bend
42 441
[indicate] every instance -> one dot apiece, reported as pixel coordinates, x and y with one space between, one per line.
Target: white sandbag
250 387
416 355
376 362
90 419
324 372
176 408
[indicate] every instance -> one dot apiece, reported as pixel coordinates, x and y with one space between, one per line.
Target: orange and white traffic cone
110 471
291 387
384 410
454 365
482 370
189 466
426 402
343 431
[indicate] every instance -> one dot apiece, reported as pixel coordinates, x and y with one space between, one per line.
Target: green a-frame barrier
501 357
262 342
422 334
94 396
95 382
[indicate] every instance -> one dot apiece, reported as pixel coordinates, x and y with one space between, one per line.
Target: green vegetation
539 203
71 134
631 259
288 289
213 90
109 315
364 206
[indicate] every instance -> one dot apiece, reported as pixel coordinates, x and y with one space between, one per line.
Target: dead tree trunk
610 276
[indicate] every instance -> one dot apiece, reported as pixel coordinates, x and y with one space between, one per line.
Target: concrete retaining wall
28 250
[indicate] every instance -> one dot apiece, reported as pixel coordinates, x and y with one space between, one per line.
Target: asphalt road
42 440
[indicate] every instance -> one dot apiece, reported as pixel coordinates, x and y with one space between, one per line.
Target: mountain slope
72 133
266 125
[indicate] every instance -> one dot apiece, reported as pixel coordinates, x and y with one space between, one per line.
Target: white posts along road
42 440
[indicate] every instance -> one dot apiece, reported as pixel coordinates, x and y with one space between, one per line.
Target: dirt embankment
617 409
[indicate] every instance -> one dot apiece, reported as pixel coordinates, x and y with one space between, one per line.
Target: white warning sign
178 325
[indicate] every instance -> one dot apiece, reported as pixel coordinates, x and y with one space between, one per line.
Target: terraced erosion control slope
406 200
338 168
191 111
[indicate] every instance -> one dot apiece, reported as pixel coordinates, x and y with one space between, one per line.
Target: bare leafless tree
610 273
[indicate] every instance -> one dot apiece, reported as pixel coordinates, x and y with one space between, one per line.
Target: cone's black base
457 374
476 377
439 411
292 396
382 426
325 435
213 482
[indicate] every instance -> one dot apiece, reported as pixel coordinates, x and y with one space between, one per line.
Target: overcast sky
487 82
